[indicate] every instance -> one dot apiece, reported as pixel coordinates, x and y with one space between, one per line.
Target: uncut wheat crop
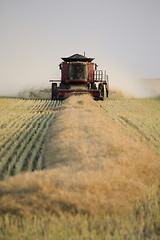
23 124
139 117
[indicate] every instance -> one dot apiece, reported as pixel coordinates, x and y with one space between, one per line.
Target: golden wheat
96 167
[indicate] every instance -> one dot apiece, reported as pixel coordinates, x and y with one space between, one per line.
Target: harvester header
79 75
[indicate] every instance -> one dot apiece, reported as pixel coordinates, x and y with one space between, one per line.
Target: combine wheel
104 91
107 93
101 89
54 91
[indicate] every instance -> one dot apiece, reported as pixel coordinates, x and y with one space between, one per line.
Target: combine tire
54 91
107 93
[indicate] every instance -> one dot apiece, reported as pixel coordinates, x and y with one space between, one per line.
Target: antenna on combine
84 54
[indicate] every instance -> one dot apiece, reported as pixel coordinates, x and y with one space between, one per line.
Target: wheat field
23 126
139 117
101 177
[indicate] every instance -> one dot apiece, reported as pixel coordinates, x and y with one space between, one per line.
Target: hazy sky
122 35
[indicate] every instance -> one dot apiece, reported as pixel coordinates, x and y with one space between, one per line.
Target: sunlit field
139 117
109 187
23 125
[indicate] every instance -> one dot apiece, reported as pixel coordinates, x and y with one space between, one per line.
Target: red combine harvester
79 75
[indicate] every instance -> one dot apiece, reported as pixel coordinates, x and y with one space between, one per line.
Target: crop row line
20 135
21 125
25 162
34 162
18 147
23 136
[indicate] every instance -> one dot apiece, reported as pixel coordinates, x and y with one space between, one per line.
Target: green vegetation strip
22 138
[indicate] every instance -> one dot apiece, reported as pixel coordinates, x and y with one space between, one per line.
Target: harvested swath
96 167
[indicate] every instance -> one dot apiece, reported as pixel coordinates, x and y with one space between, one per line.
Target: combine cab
79 75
